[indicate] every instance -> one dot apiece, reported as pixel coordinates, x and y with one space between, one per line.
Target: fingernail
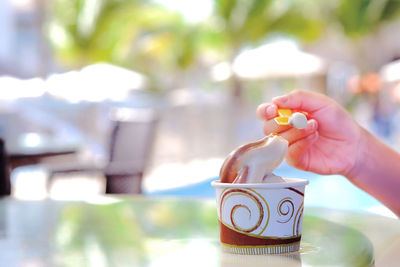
280 99
271 110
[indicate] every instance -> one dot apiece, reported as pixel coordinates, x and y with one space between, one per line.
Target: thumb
302 100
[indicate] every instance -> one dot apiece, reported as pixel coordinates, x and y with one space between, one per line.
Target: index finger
302 100
267 111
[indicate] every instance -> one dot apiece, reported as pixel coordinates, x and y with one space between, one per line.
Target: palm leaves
146 36
360 17
114 31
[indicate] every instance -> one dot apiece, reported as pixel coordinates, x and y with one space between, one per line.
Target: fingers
296 156
288 132
302 100
293 135
271 126
267 111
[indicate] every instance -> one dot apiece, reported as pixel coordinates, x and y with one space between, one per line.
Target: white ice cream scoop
254 162
261 161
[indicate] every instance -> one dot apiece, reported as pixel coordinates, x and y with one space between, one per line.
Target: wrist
361 155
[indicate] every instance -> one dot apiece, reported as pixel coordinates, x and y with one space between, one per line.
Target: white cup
260 218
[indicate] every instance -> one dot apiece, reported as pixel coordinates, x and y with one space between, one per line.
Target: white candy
298 120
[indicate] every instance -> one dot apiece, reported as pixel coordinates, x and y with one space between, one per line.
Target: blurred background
78 78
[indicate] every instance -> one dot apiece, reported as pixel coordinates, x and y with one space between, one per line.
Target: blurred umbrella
13 88
96 82
281 59
112 76
277 60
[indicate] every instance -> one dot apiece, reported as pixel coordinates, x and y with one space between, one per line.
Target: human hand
330 142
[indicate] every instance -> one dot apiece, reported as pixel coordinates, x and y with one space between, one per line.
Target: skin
334 143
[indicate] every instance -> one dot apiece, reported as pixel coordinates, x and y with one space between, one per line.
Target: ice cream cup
262 218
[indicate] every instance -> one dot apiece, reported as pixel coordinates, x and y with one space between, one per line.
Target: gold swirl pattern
298 220
285 209
250 203
233 219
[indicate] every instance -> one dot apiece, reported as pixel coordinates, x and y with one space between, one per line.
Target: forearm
377 171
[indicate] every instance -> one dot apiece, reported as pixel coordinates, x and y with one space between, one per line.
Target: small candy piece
284 115
284 112
298 120
282 120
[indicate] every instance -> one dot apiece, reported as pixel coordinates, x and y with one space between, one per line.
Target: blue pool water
330 191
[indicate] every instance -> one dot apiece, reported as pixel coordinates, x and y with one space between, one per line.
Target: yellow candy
284 115
282 120
284 112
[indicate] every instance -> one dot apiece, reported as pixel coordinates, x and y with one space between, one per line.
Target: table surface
36 143
140 231
32 148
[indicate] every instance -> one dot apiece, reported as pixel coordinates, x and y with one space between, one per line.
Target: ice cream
255 162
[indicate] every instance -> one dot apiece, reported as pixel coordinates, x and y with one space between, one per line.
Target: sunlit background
196 71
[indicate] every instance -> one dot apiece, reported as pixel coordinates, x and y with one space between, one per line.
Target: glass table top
140 231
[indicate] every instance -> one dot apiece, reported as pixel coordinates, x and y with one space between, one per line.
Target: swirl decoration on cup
247 216
298 220
285 210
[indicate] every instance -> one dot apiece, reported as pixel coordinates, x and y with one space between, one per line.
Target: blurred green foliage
131 233
247 22
119 31
361 17
147 37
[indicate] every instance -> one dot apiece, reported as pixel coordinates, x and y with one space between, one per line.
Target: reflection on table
139 231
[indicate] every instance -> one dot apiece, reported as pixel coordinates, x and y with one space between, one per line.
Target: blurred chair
5 186
131 140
